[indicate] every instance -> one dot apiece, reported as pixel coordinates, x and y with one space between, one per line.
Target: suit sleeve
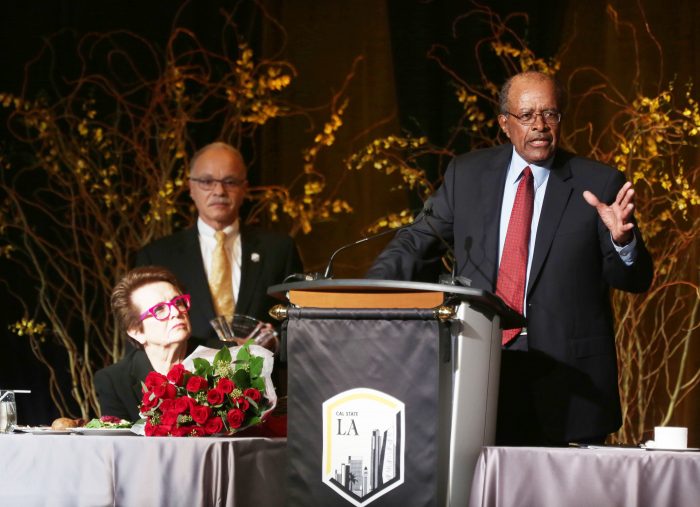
415 252
108 397
636 277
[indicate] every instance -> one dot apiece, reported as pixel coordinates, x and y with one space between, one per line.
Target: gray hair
215 145
540 76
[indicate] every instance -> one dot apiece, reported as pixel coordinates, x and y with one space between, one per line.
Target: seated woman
150 306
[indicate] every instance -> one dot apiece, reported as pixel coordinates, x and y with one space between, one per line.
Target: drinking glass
240 328
8 411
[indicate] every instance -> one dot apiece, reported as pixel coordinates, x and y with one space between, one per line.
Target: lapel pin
255 257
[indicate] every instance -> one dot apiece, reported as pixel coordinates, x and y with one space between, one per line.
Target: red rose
197 431
154 378
196 383
181 405
187 431
159 390
235 417
225 385
253 394
167 406
156 430
176 375
215 396
200 413
242 403
149 429
214 425
170 391
168 419
148 401
167 429
181 431
163 431
191 402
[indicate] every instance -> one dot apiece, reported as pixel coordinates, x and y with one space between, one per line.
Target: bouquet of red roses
221 397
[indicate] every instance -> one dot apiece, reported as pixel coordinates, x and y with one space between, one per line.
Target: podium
392 390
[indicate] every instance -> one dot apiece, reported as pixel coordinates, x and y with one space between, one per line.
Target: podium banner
363 410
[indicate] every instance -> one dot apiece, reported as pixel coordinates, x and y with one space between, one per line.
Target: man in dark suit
559 373
258 258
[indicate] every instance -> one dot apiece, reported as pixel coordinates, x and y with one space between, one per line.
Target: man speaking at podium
550 233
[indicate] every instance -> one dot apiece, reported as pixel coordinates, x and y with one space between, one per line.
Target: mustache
540 137
219 200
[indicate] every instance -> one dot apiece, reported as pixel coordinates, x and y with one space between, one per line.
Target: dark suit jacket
118 386
267 259
565 387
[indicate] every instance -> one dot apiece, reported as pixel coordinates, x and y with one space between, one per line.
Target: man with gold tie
225 266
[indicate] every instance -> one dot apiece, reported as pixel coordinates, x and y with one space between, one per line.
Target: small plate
41 430
103 431
687 449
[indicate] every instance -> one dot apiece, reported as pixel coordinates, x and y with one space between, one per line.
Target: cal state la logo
363 444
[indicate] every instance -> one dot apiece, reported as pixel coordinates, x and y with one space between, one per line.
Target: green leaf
259 384
256 366
200 363
224 356
202 367
243 353
241 379
254 420
253 403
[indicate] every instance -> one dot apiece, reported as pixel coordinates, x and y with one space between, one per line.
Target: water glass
8 411
240 328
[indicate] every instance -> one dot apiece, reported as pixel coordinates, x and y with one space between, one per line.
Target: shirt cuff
627 253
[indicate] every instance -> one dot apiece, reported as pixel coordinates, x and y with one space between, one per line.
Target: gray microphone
328 273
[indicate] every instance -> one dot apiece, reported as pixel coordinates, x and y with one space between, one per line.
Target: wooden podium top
366 293
365 299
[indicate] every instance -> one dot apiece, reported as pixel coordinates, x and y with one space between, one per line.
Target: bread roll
63 423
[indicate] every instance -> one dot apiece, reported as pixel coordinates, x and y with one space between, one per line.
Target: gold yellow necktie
220 278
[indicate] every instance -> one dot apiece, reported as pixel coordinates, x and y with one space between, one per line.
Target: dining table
587 476
122 469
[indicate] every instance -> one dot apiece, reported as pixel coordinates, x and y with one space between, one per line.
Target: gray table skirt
87 470
542 477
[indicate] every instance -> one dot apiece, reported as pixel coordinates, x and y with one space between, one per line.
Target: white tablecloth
542 477
88 470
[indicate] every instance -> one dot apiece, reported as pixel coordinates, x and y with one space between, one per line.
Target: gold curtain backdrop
374 69
608 35
632 43
326 43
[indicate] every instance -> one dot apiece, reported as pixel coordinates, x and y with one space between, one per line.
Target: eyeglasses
161 311
210 183
529 118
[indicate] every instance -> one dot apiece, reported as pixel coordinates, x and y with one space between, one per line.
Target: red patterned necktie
510 285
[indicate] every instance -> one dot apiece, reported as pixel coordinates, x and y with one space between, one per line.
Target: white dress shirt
207 243
540 176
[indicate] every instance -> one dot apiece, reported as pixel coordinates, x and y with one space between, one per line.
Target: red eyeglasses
161 311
